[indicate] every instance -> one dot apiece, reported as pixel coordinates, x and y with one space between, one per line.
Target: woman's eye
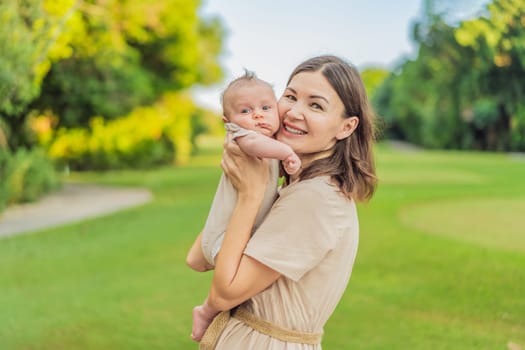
266 108
291 97
316 106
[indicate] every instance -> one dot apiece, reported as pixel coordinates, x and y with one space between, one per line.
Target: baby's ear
224 119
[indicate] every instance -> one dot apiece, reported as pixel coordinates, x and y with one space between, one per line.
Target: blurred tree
33 34
127 53
419 101
373 78
85 58
499 43
464 89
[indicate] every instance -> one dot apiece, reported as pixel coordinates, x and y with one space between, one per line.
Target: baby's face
253 106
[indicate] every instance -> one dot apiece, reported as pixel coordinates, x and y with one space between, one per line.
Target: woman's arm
195 258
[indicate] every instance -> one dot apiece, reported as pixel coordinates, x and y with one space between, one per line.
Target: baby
251 118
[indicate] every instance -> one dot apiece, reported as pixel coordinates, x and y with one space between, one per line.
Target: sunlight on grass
429 176
492 222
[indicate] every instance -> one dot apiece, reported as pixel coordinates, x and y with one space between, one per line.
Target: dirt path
73 202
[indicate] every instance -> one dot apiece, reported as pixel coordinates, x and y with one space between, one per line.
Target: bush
4 164
148 136
25 176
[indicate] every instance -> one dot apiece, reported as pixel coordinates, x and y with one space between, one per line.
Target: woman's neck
308 159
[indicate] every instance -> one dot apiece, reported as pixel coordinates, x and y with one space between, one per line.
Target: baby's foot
201 321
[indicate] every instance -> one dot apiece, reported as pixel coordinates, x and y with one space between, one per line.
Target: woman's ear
348 126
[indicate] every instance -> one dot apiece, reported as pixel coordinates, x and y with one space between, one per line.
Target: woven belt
286 335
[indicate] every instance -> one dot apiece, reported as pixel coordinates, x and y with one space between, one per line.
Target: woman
289 277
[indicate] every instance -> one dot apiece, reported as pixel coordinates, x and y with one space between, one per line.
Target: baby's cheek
282 107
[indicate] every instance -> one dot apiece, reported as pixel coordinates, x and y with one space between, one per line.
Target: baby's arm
196 259
262 146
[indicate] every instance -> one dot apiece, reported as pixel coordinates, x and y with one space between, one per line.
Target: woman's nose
294 111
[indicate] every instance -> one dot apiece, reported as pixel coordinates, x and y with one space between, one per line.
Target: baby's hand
201 321
292 164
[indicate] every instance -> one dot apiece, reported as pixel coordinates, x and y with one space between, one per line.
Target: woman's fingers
228 142
227 139
224 164
245 172
232 147
228 163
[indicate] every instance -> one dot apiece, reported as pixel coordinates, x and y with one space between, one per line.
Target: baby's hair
247 76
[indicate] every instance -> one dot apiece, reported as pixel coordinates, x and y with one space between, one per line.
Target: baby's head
250 103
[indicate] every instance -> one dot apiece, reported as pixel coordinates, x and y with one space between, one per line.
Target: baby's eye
316 106
245 110
266 108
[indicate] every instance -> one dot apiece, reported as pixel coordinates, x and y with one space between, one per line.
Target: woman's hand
249 175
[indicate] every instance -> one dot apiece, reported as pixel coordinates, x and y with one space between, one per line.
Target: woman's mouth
293 130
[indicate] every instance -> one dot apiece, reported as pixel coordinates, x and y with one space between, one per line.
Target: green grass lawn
441 263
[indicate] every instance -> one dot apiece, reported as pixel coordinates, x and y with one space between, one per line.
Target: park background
124 93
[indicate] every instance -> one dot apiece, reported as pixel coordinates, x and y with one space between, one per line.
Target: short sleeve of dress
299 230
237 131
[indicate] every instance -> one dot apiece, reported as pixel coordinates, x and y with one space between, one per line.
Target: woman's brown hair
352 163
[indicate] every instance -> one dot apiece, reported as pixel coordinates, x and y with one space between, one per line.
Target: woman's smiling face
312 114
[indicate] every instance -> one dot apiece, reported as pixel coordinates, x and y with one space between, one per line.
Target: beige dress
310 236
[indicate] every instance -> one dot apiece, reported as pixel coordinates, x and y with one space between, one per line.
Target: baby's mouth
263 125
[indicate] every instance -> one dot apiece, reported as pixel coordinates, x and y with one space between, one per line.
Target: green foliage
208 122
465 88
148 136
32 36
518 127
79 59
485 113
127 54
84 64
78 89
25 175
4 166
373 78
